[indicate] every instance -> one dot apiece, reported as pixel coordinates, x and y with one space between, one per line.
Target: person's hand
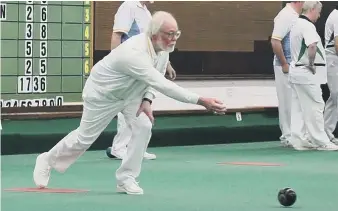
285 68
312 68
171 74
212 104
145 107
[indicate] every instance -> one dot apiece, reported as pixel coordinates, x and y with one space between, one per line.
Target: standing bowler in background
331 50
132 18
307 73
280 41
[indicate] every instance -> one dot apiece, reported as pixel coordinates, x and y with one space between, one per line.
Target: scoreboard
46 52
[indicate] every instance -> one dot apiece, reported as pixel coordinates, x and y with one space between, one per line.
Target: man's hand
212 105
312 68
145 107
171 72
285 68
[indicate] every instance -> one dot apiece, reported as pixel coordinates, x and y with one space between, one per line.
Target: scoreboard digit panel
45 51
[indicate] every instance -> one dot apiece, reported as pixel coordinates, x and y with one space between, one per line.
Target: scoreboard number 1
24 84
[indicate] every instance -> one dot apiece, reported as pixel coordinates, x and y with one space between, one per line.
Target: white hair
309 5
157 21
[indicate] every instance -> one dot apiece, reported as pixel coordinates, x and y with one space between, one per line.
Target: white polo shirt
283 22
132 18
303 34
331 31
128 72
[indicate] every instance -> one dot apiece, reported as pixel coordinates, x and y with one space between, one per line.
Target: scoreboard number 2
28 67
29 13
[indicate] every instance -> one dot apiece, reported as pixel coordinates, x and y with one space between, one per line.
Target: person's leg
131 164
283 89
298 139
95 118
312 104
121 139
331 107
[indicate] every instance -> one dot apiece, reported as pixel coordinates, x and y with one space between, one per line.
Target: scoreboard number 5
43 67
28 48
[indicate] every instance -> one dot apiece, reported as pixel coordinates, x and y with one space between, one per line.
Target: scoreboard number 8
43 31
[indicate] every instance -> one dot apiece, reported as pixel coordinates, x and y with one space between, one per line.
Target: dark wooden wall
219 39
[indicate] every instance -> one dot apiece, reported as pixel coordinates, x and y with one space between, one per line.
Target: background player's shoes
335 141
304 146
286 143
328 147
131 188
149 156
42 171
121 153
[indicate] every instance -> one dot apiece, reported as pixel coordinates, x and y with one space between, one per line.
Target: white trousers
284 102
97 114
123 135
331 107
307 115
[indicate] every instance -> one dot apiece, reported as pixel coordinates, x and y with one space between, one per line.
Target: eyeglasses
173 34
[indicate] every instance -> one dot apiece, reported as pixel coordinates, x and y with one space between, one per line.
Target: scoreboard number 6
39 84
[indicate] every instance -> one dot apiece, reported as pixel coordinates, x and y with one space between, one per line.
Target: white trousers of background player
284 103
123 135
307 115
331 107
97 114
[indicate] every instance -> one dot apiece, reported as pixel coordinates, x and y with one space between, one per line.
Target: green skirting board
34 136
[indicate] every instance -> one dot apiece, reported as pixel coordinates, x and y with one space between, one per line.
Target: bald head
159 21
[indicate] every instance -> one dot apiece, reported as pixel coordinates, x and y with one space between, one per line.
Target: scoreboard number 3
39 84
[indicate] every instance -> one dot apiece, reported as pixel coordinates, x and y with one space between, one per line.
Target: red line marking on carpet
250 164
46 190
